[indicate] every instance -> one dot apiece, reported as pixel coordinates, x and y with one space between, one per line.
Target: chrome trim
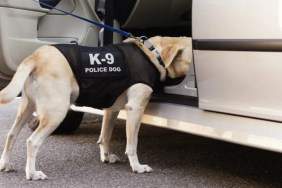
265 45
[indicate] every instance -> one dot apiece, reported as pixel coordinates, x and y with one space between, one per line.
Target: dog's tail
14 88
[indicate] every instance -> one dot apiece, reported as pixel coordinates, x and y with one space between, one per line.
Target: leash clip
142 39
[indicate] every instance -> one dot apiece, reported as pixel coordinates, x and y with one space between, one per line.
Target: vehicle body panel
242 81
237 19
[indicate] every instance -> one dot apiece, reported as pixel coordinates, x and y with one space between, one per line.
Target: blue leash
123 33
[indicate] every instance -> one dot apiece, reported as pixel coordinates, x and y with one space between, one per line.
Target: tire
70 124
3 82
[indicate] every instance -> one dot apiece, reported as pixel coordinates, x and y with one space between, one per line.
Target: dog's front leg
132 129
105 137
138 96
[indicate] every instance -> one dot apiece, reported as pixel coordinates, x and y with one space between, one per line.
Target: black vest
104 73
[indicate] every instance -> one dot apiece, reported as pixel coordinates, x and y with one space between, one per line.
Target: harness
106 72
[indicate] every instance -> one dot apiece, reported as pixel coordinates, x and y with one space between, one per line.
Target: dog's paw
36 175
6 166
142 169
111 158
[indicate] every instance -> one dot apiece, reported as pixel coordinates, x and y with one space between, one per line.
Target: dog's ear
169 53
177 60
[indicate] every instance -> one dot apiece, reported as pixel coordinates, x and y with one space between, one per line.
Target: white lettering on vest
114 69
94 58
96 69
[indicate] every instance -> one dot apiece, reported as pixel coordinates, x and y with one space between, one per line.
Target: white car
233 90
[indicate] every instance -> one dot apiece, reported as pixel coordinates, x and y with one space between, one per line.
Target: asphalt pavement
178 160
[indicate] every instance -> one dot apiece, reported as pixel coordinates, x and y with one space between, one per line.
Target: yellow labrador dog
50 88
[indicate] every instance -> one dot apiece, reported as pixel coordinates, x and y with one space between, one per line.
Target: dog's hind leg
105 137
50 116
138 97
26 108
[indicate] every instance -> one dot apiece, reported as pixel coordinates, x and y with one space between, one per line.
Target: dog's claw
113 158
6 167
110 159
142 169
37 175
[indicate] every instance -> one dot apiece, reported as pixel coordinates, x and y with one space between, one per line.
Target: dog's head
176 53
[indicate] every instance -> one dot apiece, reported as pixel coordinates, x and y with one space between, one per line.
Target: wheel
3 82
69 124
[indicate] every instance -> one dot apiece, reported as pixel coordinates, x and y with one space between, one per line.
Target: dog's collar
151 47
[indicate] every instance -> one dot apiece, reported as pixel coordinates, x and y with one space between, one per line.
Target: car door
25 25
238 56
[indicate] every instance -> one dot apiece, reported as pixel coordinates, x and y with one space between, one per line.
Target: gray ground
178 160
